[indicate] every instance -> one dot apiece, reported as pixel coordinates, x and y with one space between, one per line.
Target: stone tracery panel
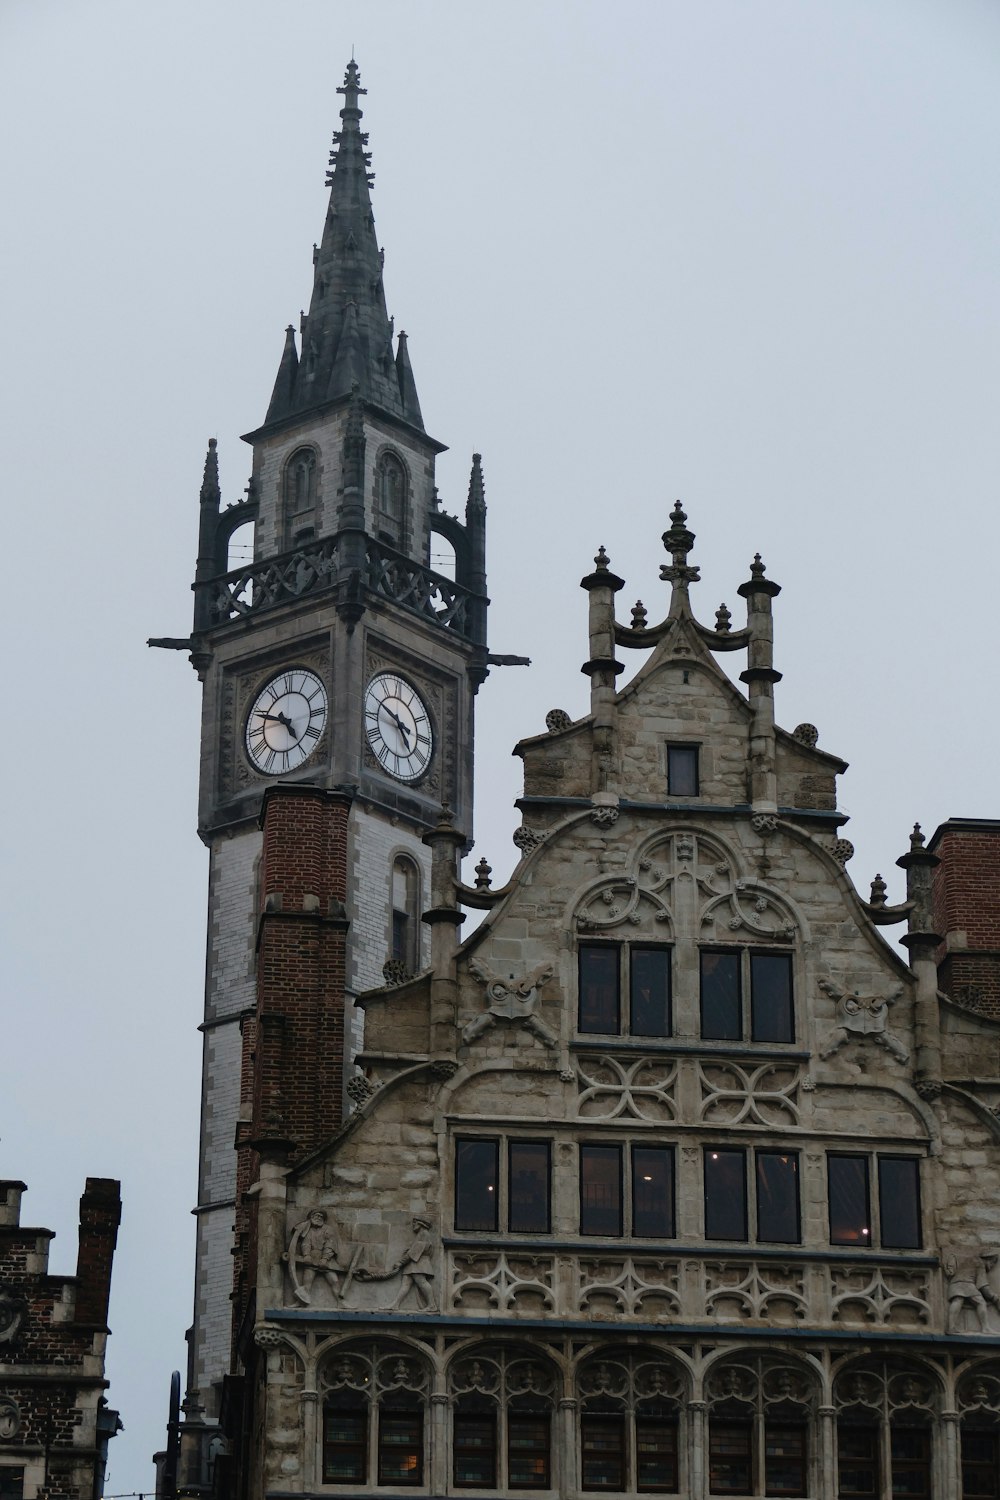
629 1286
735 1095
761 1291
861 1296
614 1088
502 1281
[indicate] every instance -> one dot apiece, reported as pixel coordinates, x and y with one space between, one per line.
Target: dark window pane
400 1447
603 1442
653 1192
600 1190
729 1458
980 1464
899 1202
849 1204
400 936
778 1197
656 1453
649 991
600 1009
682 770
475 1450
784 1459
345 1443
771 1014
528 1444
476 1184
911 1462
857 1461
11 1483
721 1018
528 1210
725 1195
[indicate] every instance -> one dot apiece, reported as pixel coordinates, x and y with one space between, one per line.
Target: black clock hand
280 719
399 724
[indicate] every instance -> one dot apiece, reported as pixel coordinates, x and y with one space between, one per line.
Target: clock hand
281 719
399 724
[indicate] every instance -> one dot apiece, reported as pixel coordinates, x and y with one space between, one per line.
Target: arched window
374 1402
502 1403
629 1423
758 1428
405 894
300 497
239 549
885 1426
390 499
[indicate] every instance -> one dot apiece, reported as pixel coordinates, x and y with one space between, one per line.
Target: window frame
690 750
747 1012
390 530
416 1414
873 1161
751 1192
466 1416
503 1146
625 989
625 1151
359 1407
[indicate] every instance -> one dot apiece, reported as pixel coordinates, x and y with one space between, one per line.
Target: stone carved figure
416 1265
863 1015
10 1419
12 1310
313 1250
510 1000
964 1275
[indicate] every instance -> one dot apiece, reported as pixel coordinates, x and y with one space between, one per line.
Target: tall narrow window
980 1463
405 915
784 1458
721 1007
910 1449
601 1190
655 1450
603 1444
600 1005
653 1192
528 1187
771 1016
529 1442
400 1446
476 1183
682 770
778 1197
390 499
345 1444
850 1203
300 497
899 1202
725 1195
858 1461
730 1449
475 1449
649 992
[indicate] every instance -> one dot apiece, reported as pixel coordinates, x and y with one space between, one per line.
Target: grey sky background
741 253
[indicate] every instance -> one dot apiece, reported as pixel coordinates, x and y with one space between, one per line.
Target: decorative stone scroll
510 1000
504 1281
612 1088
735 1095
863 1016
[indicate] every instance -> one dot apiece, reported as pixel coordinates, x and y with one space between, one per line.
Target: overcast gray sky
741 253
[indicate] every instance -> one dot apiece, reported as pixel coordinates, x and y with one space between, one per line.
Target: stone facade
55 1423
471 1289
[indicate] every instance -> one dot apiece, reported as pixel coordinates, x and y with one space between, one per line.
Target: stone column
437 1468
826 1466
949 1455
566 1474
311 1475
602 669
697 1449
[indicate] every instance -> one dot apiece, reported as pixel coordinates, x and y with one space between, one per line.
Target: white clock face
398 727
286 721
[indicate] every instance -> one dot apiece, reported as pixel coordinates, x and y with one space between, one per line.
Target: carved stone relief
505 1281
774 1293
861 1296
510 1001
10 1419
736 1095
629 1287
12 1312
973 1291
860 1016
612 1087
327 1269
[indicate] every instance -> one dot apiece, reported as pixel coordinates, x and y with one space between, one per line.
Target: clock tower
339 672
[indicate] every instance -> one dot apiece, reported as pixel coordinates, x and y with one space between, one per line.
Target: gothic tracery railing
408 583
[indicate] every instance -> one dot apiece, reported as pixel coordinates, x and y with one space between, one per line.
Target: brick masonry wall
966 899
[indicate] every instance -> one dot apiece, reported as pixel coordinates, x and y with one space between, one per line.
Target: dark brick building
55 1422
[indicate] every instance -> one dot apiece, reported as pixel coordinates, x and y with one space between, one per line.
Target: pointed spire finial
602 561
210 491
639 616
483 873
757 569
916 837
723 620
476 503
879 888
678 541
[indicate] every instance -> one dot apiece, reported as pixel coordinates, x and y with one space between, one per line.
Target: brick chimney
966 901
100 1215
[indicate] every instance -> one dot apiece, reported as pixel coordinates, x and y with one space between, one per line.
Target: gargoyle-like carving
863 1015
604 817
511 1000
527 839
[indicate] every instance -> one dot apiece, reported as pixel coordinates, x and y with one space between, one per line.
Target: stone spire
347 334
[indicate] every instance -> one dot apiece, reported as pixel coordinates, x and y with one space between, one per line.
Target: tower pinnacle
347 334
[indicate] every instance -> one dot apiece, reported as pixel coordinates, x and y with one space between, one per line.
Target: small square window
682 770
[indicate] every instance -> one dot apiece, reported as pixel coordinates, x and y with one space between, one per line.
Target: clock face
286 721
398 727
